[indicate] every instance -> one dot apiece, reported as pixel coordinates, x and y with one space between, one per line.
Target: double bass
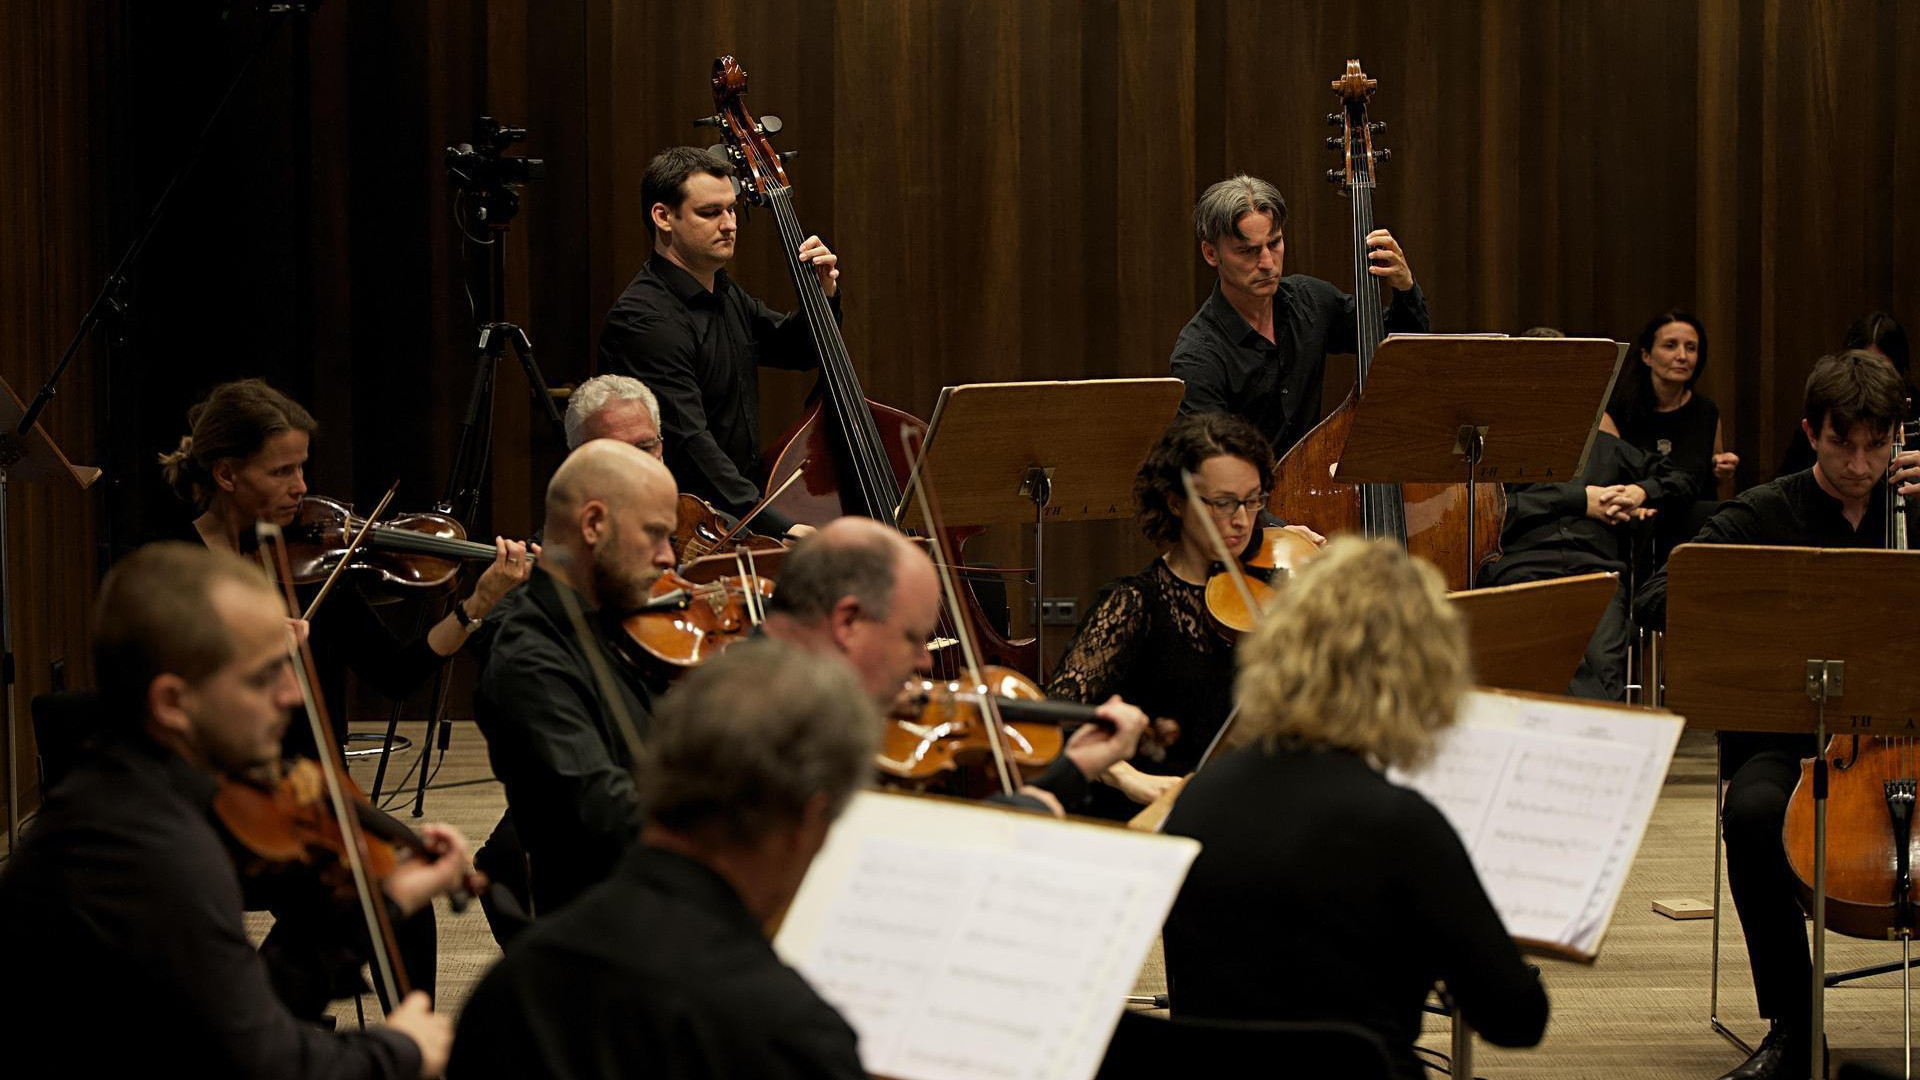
1429 520
847 448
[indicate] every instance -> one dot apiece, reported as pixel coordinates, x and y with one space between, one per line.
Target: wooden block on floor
1682 907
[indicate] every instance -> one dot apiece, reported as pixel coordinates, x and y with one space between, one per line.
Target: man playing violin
861 591
123 903
1852 402
664 969
1258 347
695 336
554 737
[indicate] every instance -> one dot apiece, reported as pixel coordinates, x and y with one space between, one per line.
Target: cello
1429 520
847 448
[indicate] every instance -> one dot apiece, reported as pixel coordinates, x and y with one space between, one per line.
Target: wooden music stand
1449 409
1532 636
30 456
1008 453
1765 638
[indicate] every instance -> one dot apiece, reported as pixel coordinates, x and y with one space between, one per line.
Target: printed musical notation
965 943
1550 798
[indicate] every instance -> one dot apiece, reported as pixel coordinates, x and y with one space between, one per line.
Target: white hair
596 394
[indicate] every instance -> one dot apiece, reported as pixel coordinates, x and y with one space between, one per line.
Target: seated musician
859 590
120 914
1852 402
696 337
1658 409
554 739
1577 527
664 969
1323 891
1149 638
1258 347
617 407
244 461
1876 332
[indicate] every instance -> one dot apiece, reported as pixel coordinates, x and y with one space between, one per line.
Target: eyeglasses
1226 506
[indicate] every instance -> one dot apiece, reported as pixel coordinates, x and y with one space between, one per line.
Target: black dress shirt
659 971
1229 367
554 742
1325 892
120 921
1547 533
698 351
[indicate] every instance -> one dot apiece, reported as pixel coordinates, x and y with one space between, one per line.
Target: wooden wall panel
1008 183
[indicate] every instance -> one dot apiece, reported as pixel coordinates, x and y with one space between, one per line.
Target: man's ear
1209 253
1813 437
166 705
662 218
845 613
594 522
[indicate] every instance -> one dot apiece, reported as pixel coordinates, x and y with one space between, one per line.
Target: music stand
31 457
1010 453
1764 638
1449 409
1532 636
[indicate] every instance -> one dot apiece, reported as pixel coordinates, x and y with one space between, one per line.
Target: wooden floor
1639 1013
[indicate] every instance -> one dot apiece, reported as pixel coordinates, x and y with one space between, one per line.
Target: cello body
1870 842
1305 491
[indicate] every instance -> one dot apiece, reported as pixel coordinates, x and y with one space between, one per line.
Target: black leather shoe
1782 1056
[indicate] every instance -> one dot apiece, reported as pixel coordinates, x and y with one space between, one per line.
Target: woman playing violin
1149 638
244 461
1323 891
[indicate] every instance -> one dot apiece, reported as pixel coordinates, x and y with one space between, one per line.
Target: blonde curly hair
1362 651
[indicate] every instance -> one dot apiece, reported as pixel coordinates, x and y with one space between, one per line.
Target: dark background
1008 184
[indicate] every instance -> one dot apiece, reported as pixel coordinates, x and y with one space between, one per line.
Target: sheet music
965 942
1551 798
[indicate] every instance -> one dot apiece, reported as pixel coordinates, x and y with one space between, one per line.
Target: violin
285 819
1279 552
686 622
411 551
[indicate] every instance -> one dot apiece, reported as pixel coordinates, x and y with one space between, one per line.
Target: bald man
551 731
859 590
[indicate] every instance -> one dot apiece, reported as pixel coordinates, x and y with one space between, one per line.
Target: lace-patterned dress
1150 640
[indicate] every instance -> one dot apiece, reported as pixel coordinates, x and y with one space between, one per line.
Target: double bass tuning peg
1335 142
1335 119
1381 157
771 125
1336 176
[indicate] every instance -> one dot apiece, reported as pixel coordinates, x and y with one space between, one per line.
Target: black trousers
1763 887
1602 675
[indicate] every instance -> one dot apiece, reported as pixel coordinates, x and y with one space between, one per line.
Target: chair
1149 1048
64 721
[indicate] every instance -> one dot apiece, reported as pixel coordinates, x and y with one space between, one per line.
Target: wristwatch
467 622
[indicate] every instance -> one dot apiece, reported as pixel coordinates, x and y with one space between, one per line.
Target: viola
702 530
846 450
1279 551
286 819
420 551
944 728
1428 520
688 622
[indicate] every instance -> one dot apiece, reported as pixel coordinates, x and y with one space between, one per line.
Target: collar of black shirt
683 285
138 754
670 873
1234 327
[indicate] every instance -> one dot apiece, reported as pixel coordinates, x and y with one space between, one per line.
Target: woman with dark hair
244 461
1656 408
1880 334
1148 637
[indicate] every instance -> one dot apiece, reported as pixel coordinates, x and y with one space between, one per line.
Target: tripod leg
542 396
472 451
435 720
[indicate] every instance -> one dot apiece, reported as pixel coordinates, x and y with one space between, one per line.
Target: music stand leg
1462 1046
1819 1003
6 672
1038 486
